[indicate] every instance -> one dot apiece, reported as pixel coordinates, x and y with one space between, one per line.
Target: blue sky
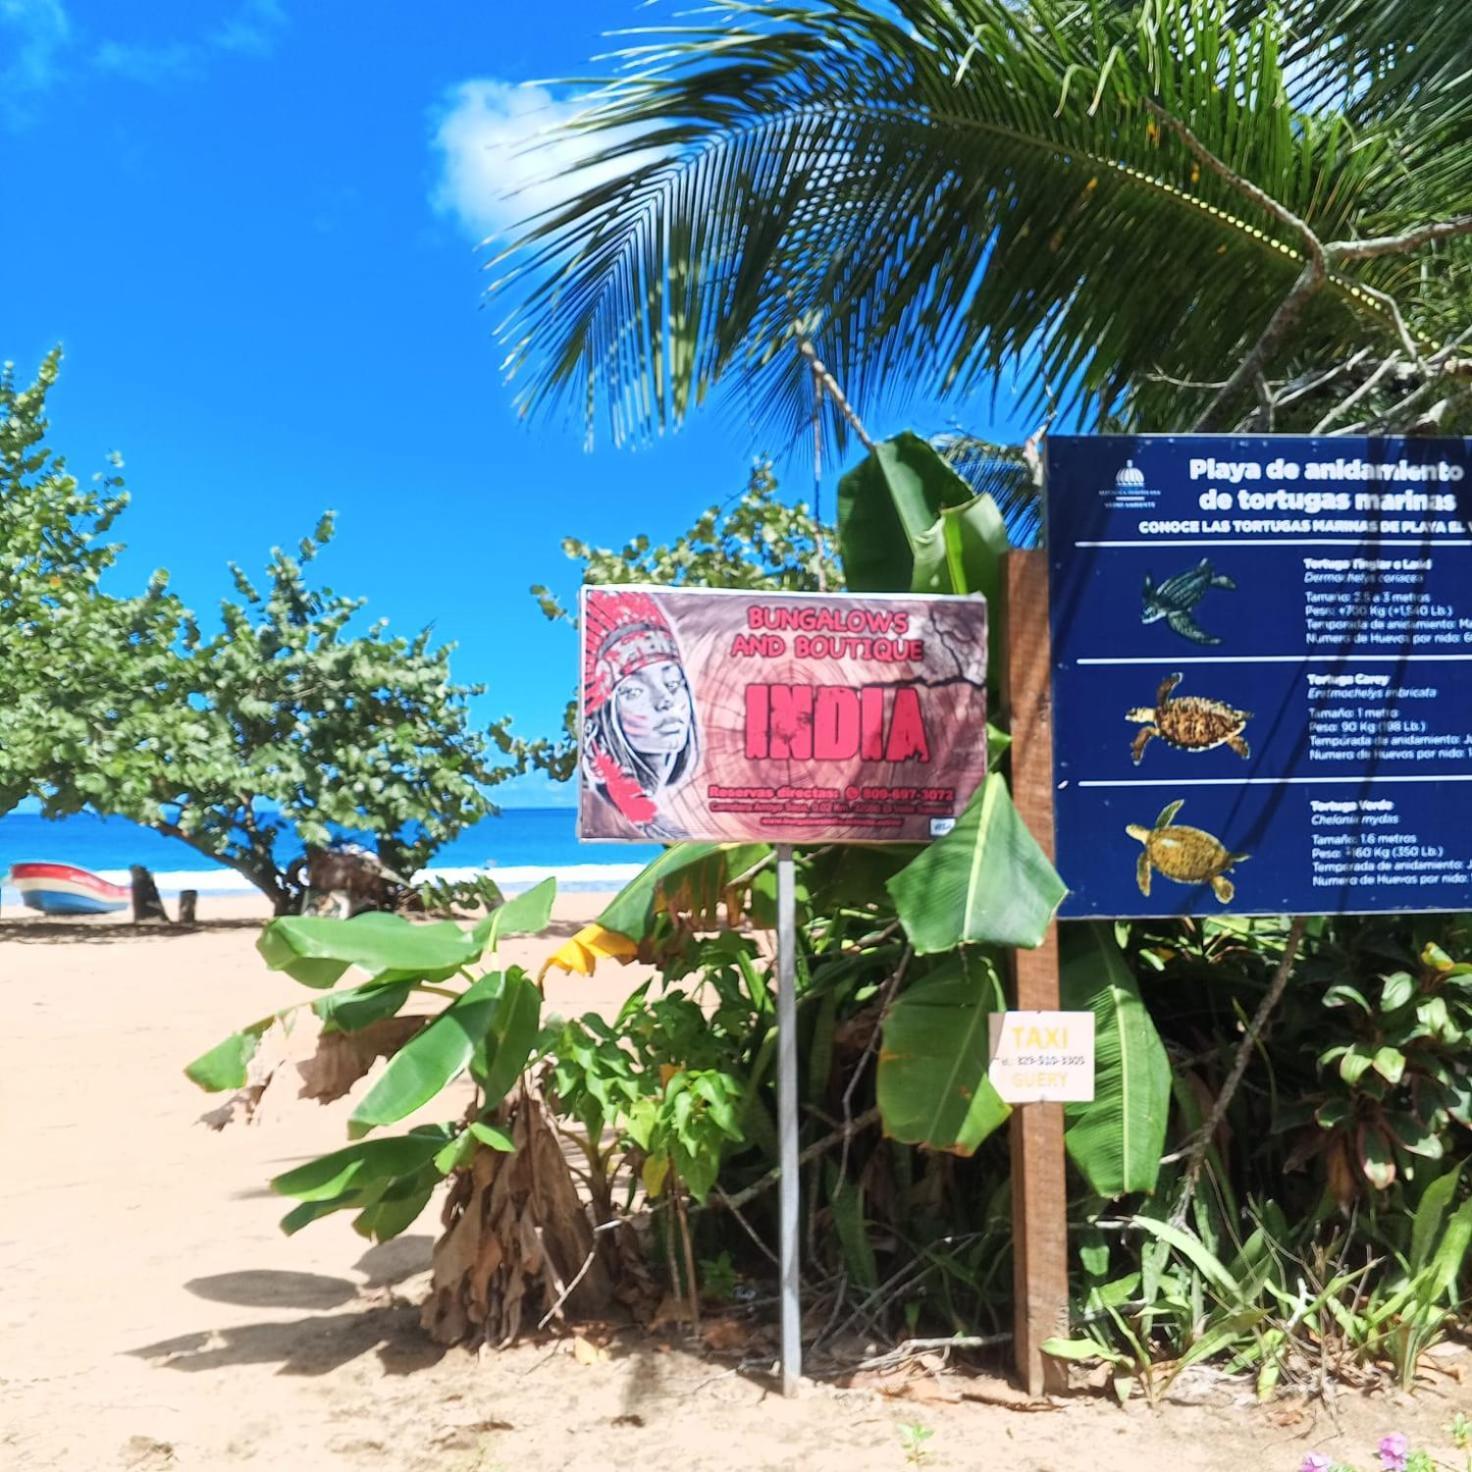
253 225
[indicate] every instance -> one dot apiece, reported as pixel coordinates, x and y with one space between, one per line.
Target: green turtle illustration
1187 855
1176 598
1188 722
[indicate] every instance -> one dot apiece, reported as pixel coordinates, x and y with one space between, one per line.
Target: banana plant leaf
986 882
932 1086
687 879
1115 1141
494 1013
315 950
887 504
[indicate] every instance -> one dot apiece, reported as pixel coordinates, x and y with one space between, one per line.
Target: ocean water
518 847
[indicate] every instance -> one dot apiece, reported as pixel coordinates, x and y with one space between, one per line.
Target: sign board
1042 1057
1262 678
784 718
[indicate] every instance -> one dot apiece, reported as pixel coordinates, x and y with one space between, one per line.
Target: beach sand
153 1315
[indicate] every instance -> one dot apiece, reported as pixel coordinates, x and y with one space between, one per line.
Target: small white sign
1038 1057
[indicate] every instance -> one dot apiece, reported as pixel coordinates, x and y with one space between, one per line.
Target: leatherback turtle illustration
1176 598
1188 722
1187 855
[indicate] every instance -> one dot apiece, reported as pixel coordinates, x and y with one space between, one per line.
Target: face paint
653 710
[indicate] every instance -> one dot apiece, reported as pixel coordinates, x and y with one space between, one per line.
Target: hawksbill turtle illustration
1188 722
1176 598
1187 855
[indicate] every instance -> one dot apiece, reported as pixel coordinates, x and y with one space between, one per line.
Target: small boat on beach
63 889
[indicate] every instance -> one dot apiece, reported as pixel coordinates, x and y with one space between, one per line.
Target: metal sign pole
787 1115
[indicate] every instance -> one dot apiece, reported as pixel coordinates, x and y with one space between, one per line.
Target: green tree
81 671
755 540
298 725
1176 212
247 743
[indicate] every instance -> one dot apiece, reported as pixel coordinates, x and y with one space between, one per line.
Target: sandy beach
155 1317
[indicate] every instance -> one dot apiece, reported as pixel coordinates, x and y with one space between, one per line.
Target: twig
692 1289
578 1276
868 1117
817 469
1197 1151
910 1348
886 997
1347 404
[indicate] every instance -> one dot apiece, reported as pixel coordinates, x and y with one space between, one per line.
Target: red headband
623 633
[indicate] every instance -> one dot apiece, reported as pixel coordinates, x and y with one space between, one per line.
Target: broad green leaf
307 1212
224 1066
985 882
887 504
316 951
1399 988
963 551
1376 1160
396 1208
432 1058
493 1138
504 1047
933 1087
358 1165
1343 994
1082 1350
1116 1141
360 1006
1389 1063
525 914
1354 1063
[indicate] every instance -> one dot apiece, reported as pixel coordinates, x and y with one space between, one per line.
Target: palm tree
1175 213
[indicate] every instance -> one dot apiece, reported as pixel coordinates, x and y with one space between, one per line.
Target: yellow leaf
656 1168
581 953
667 1071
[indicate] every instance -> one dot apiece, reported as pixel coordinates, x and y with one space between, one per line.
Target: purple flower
1393 1450
1316 1462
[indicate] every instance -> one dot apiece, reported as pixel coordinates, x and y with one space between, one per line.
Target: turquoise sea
517 847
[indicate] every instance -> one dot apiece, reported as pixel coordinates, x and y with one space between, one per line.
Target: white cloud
34 33
251 29
505 155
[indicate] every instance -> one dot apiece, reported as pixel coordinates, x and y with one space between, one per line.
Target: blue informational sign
1262 676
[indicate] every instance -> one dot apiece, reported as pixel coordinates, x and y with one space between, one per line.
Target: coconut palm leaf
936 192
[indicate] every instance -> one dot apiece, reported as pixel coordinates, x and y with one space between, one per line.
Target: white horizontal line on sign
1359 781
1275 659
1367 540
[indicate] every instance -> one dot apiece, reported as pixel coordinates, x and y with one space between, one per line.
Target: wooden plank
1039 1196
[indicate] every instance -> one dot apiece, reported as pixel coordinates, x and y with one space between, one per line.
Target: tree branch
1195 1153
1394 245
1310 279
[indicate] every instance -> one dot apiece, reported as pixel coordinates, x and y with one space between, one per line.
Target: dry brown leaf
726 1334
671 1310
925 1390
342 1058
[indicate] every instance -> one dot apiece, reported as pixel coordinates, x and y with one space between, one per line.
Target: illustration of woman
640 735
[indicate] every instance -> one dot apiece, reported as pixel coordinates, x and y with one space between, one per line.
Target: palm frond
936 190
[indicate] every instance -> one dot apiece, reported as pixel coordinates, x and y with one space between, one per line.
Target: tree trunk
518 1247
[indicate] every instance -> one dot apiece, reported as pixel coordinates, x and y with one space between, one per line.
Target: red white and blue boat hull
61 889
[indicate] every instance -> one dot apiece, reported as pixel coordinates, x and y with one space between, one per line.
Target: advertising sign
1041 1057
785 718
1262 679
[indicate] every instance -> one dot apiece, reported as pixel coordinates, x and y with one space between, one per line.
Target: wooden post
1039 1196
146 902
188 901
